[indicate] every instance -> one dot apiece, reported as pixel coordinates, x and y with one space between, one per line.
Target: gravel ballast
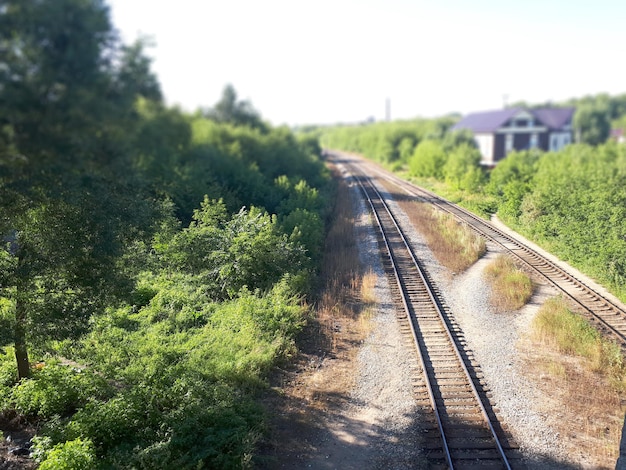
380 428
493 337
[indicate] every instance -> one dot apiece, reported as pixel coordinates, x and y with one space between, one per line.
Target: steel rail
483 227
442 318
407 310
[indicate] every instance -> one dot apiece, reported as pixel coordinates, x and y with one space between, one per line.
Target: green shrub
428 159
56 389
71 455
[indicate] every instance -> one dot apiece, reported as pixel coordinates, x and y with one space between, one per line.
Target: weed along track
465 431
607 315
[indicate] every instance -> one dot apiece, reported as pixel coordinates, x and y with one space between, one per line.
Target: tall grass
348 291
511 287
586 374
453 243
569 333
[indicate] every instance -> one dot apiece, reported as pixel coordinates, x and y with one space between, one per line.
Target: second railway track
608 315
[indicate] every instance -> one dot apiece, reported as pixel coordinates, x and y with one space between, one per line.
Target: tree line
573 201
153 262
595 115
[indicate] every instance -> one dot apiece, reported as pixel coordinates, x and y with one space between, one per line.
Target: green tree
66 189
406 147
229 109
462 169
227 254
428 159
592 122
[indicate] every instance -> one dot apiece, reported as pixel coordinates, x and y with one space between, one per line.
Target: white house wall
485 145
558 140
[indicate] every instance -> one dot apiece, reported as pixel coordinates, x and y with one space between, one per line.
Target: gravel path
493 337
379 428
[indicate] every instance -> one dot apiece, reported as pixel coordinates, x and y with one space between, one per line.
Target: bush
71 455
56 389
428 160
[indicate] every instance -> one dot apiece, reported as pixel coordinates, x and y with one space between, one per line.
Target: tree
428 159
227 253
229 109
593 122
462 169
67 192
406 148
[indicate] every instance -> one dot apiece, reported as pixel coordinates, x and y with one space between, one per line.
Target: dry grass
566 332
319 382
368 283
586 375
453 243
511 287
341 316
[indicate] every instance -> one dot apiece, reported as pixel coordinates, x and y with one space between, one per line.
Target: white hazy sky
328 61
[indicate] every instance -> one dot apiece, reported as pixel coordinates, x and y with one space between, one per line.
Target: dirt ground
15 433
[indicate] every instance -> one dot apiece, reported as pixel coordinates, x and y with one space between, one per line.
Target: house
499 132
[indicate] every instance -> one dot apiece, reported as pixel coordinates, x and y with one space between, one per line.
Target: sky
329 61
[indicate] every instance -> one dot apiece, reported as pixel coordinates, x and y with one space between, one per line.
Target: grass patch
511 287
368 283
344 306
453 243
586 374
571 334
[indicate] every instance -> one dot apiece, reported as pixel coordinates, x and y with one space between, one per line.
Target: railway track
608 316
469 435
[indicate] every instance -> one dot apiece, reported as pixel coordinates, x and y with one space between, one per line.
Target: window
508 143
534 140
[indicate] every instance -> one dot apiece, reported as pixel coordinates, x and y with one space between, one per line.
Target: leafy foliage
571 201
151 340
428 160
248 251
462 169
70 455
386 142
229 109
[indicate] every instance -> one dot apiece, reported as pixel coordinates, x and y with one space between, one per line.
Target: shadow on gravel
309 438
338 438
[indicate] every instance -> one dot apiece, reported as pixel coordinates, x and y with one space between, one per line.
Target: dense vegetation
595 116
573 202
153 263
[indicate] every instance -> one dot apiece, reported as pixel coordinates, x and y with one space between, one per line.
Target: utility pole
388 110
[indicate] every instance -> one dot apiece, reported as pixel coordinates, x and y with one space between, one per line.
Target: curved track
468 437
609 316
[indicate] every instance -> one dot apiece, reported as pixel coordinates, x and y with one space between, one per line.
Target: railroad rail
468 437
607 315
